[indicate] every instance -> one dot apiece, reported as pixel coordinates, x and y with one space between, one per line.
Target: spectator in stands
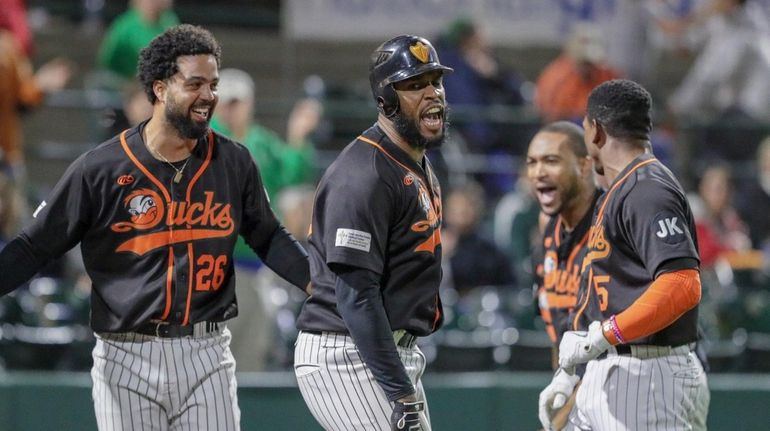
473 261
11 202
134 109
281 164
263 337
730 75
718 225
720 232
14 19
516 229
754 203
564 85
22 88
638 33
132 31
478 81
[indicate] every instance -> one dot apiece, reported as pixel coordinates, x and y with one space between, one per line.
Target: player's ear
159 88
598 135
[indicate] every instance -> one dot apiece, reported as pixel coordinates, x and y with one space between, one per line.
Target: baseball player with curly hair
375 255
641 285
157 211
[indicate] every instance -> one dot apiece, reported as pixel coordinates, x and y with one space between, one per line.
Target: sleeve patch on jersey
669 228
355 239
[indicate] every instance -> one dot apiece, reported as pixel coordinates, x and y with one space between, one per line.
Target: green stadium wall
271 401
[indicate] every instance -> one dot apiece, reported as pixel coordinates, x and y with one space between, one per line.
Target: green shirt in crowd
126 37
280 166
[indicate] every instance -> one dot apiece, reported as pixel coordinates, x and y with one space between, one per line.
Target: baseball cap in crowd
234 84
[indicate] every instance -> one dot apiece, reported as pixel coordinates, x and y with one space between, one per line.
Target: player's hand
406 415
579 347
554 396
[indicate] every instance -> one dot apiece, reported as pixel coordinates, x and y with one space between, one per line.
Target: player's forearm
18 263
284 255
360 305
670 296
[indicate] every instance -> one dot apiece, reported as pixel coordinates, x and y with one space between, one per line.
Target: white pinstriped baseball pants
645 391
340 390
146 383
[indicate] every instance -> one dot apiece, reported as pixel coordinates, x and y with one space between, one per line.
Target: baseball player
561 175
641 282
157 211
375 255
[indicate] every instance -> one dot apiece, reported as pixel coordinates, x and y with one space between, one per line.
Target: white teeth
434 110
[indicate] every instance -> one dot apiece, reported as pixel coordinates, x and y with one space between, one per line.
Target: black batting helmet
400 58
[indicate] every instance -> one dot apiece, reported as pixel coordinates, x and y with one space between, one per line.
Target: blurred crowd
490 216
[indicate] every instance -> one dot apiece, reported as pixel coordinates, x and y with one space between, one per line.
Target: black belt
623 349
406 340
627 349
173 330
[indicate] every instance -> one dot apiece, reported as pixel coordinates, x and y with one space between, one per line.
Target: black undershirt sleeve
676 264
359 302
283 254
18 263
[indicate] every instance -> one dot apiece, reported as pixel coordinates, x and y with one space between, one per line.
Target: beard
180 119
569 196
408 129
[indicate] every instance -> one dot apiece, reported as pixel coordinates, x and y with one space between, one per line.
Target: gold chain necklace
178 175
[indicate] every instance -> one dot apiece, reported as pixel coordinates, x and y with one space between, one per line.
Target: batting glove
579 347
406 416
554 396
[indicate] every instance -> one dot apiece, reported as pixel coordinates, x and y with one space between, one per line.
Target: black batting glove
406 416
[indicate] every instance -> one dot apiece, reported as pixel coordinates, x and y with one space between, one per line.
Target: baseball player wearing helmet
641 286
157 211
561 175
375 255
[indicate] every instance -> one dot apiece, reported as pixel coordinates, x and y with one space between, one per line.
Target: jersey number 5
211 272
599 281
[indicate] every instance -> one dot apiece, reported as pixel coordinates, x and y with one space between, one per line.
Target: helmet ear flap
388 101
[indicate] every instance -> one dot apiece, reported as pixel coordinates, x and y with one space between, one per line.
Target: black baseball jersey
155 249
377 209
640 223
561 267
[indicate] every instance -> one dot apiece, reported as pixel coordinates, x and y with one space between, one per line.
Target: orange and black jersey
563 255
377 209
642 224
153 248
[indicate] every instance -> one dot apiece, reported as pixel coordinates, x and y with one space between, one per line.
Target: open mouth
433 118
546 195
200 113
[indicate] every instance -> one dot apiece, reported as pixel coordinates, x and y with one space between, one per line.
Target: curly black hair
623 108
157 61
